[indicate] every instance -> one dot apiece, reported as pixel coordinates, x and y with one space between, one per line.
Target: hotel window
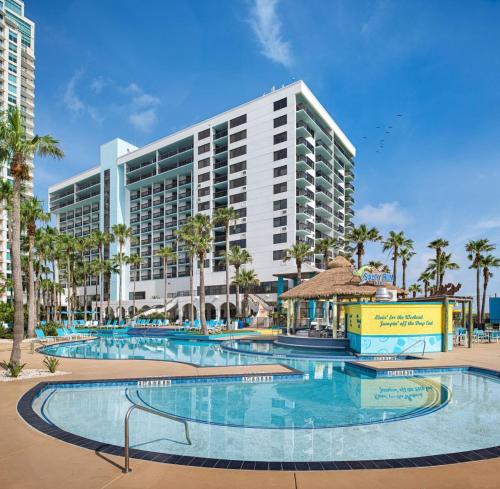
203 148
237 121
279 205
203 163
279 238
238 182
235 199
242 150
12 36
279 221
203 191
238 228
280 154
238 136
278 188
280 121
12 88
280 171
280 104
241 212
204 177
204 134
242 243
280 138
279 255
12 78
12 99
12 58
12 47
203 206
242 165
12 68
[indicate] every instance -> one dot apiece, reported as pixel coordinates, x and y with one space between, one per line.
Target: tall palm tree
323 247
17 148
361 235
438 244
100 240
202 243
119 260
406 254
475 250
31 212
187 236
245 279
83 245
68 248
122 234
426 277
393 243
488 262
108 268
134 261
445 263
414 289
225 216
238 257
299 252
167 254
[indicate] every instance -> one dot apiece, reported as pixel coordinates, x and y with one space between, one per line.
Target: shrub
51 363
13 368
49 329
6 333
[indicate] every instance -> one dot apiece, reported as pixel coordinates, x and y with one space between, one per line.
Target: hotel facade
17 88
279 160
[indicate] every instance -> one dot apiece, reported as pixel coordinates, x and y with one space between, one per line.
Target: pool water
333 411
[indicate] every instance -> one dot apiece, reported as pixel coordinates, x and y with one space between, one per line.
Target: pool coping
26 412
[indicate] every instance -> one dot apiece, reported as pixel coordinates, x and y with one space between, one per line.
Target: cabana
330 289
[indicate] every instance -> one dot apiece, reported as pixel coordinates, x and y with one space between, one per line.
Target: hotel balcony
304 179
304 147
305 163
303 196
304 130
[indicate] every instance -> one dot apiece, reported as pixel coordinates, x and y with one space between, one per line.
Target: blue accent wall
495 310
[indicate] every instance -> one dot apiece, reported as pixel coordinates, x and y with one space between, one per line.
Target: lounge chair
40 336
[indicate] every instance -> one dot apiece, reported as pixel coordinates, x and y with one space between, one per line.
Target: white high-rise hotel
17 88
280 160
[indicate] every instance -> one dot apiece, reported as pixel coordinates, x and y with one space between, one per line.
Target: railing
411 346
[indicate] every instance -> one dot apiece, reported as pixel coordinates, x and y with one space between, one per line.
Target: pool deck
30 459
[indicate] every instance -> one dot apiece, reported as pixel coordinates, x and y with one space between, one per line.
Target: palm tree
426 277
406 254
134 261
225 216
378 265
300 252
119 260
108 268
100 240
361 235
83 245
445 263
31 212
238 257
393 243
167 255
475 250
122 234
202 227
67 248
17 149
487 263
438 245
187 236
323 247
245 279
414 289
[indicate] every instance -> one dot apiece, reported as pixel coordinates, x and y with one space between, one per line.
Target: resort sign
368 275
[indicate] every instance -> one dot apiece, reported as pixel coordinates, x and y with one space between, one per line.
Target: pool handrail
402 352
150 411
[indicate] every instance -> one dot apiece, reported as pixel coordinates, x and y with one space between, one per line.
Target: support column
444 346
312 310
463 315
335 317
470 327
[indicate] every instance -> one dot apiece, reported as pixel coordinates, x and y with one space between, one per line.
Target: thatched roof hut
337 280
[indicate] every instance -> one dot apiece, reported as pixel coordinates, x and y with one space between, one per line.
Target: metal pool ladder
150 411
411 346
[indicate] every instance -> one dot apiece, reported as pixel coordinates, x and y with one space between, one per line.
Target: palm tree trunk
438 271
85 297
16 273
485 286
133 300
478 293
101 288
426 288
325 260
228 315
394 267
202 294
31 289
69 311
360 258
165 287
404 277
238 303
191 290
120 285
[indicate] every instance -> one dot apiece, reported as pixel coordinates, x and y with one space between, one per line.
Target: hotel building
17 88
280 160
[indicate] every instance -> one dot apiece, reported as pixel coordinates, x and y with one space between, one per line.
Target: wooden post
288 316
446 325
470 330
463 315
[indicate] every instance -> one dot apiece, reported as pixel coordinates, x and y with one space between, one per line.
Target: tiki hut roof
338 280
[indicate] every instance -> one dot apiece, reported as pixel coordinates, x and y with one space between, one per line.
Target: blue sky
146 69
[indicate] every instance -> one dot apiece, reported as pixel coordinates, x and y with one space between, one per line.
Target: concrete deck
29 459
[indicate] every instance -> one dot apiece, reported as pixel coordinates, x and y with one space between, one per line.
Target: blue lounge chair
40 335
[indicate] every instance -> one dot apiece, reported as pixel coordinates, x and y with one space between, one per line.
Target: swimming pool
326 411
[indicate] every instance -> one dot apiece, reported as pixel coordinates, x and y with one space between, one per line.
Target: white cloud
376 19
98 84
488 224
144 120
384 214
72 101
267 27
